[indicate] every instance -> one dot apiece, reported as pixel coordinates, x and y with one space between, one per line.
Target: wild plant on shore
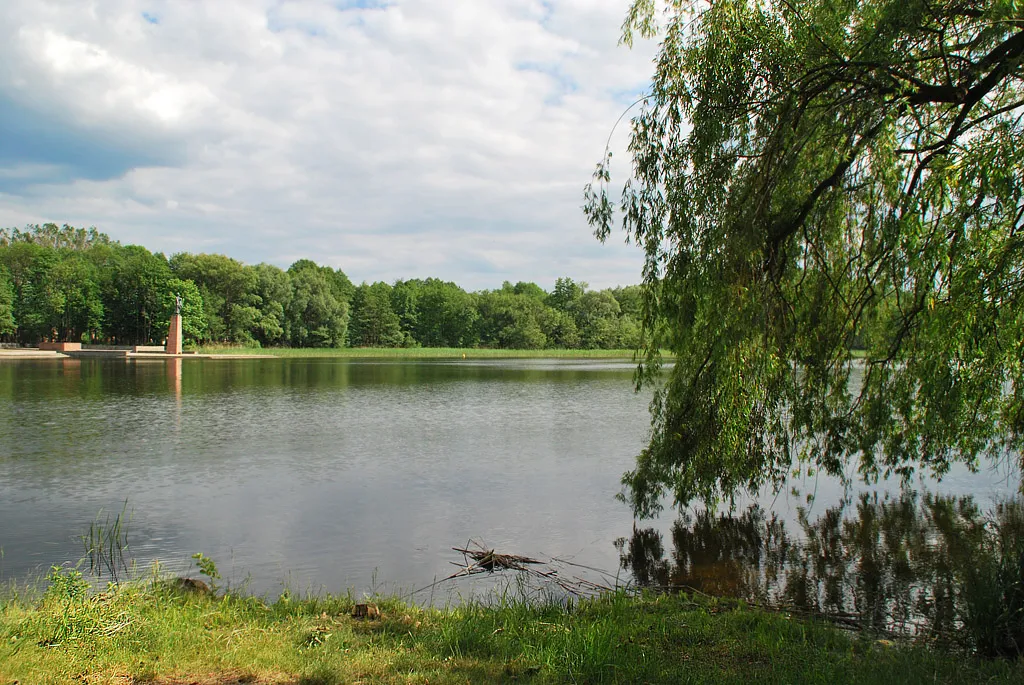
106 543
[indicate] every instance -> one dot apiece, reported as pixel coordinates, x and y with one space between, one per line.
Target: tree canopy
72 284
810 176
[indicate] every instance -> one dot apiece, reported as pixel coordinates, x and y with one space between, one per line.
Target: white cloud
107 85
446 138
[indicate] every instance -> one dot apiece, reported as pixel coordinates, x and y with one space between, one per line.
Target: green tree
511 321
631 313
228 289
7 323
560 329
446 315
597 318
630 299
50 235
193 322
404 295
527 288
374 323
55 291
341 286
566 295
134 285
316 317
804 173
75 307
274 288
27 265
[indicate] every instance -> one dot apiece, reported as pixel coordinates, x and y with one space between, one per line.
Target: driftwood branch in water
488 560
477 558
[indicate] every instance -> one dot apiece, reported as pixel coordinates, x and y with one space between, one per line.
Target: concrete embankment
30 353
35 353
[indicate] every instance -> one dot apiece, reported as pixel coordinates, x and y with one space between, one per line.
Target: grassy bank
154 633
419 352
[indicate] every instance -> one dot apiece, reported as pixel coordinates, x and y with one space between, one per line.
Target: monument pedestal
174 335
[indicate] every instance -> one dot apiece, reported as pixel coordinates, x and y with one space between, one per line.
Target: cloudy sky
390 138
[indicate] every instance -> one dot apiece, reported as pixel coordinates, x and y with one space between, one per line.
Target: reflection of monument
174 376
174 332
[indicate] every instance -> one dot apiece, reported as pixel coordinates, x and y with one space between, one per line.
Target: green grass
419 352
148 632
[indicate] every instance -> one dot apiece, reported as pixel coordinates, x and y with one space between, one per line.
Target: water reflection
886 563
327 473
333 472
174 381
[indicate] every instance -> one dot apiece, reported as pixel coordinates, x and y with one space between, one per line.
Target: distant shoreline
416 353
235 352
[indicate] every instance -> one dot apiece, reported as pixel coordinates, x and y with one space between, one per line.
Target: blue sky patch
345 5
63 151
548 11
277 24
564 84
627 97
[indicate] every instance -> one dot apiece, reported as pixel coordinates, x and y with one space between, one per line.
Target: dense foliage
68 284
811 175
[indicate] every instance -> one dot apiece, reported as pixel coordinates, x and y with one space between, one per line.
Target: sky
389 138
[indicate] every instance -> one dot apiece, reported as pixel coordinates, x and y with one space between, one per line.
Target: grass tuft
105 544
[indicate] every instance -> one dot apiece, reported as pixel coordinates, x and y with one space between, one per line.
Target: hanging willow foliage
814 182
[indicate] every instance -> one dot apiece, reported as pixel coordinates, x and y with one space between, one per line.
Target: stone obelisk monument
174 331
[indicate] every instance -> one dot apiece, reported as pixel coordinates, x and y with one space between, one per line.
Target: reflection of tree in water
890 563
723 555
645 557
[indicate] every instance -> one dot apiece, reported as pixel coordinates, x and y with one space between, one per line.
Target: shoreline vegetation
417 352
166 632
66 284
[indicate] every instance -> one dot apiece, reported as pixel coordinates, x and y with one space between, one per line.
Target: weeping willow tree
828 193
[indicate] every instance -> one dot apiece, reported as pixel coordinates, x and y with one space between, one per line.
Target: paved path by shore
29 353
33 353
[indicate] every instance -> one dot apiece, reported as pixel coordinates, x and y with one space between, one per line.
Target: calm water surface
331 474
317 472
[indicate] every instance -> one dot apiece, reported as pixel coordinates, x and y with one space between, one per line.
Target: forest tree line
78 285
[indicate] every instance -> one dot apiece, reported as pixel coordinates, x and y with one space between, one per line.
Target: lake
336 474
318 473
